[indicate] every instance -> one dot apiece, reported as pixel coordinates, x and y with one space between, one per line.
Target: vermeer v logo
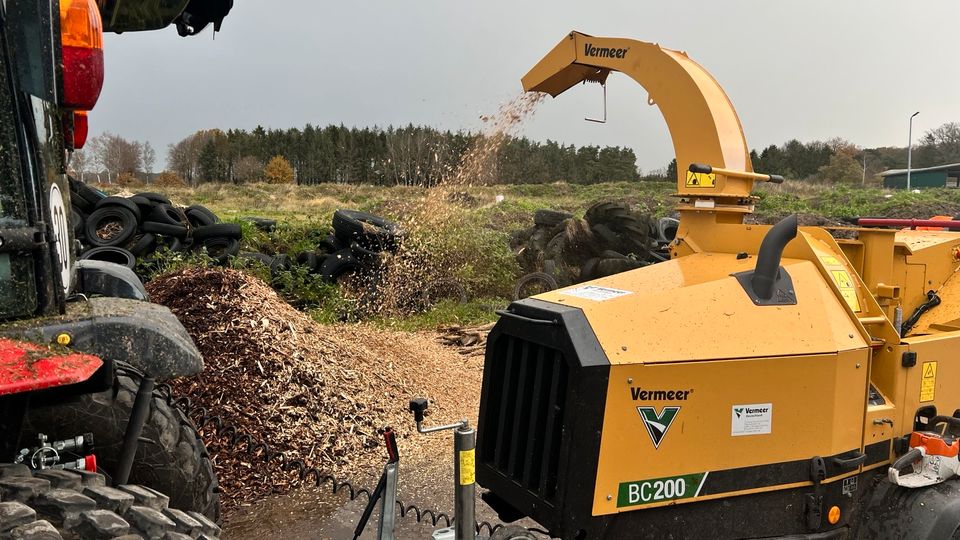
657 424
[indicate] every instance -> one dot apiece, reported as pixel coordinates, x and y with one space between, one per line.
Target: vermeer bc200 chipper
764 382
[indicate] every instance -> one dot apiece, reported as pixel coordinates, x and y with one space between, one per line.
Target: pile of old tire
126 230
561 249
355 248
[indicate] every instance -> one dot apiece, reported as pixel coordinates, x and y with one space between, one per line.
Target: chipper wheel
62 504
171 458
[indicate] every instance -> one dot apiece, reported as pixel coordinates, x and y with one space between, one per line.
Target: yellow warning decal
467 467
842 279
928 383
830 260
847 290
705 180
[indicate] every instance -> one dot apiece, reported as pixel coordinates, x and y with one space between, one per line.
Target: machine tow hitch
932 458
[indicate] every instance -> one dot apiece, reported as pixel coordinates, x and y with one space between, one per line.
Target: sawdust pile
319 393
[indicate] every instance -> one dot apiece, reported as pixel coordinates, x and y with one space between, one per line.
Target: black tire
263 224
110 254
80 203
550 218
85 192
122 202
43 504
164 213
263 258
200 215
171 458
77 219
609 267
338 265
310 260
221 249
444 289
589 269
546 282
372 232
220 230
144 245
280 263
144 204
330 244
166 229
104 221
158 198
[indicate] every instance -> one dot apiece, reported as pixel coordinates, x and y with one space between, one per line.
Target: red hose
911 223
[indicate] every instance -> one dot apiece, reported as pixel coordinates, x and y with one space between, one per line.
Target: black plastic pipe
768 259
131 437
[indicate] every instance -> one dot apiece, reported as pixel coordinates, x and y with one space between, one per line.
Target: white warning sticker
594 292
753 419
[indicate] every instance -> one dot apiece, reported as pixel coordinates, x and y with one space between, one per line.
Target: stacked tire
561 249
126 230
357 245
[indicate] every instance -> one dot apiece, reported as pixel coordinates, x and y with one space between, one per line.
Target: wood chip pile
319 393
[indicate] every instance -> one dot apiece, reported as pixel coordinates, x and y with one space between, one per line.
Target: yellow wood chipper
767 381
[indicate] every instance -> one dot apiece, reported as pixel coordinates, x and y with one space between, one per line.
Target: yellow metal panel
692 309
817 410
935 380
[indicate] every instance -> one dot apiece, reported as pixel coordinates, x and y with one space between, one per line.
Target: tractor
91 444
765 382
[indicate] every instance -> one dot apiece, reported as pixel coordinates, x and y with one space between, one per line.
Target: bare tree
79 163
149 157
115 155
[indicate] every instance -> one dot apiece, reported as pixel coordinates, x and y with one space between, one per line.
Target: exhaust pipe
767 271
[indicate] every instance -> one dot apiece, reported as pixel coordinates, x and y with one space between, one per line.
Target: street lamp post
910 148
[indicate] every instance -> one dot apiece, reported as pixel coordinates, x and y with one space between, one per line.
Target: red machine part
934 444
25 367
926 224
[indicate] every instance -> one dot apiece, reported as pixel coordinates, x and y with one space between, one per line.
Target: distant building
928 177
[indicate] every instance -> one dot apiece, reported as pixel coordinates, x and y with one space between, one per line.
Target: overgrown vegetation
469 240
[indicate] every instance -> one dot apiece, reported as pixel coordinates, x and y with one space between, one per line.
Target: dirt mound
320 393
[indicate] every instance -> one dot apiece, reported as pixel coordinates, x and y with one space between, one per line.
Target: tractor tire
144 204
550 218
124 226
371 232
546 281
144 245
66 504
171 458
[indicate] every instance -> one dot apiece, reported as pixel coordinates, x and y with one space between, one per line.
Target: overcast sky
806 70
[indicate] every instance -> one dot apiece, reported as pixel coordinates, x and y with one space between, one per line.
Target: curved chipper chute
703 123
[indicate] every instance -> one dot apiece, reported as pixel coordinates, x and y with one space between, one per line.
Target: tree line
424 156
411 155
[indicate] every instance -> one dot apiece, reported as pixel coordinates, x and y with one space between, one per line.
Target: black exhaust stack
768 284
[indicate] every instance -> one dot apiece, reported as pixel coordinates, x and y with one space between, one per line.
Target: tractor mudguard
931 513
104 278
147 336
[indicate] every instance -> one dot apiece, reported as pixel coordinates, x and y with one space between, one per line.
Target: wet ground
312 513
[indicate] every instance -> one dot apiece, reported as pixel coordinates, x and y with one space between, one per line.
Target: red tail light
81 34
80 128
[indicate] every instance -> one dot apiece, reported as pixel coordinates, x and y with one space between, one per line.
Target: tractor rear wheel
171 458
63 504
